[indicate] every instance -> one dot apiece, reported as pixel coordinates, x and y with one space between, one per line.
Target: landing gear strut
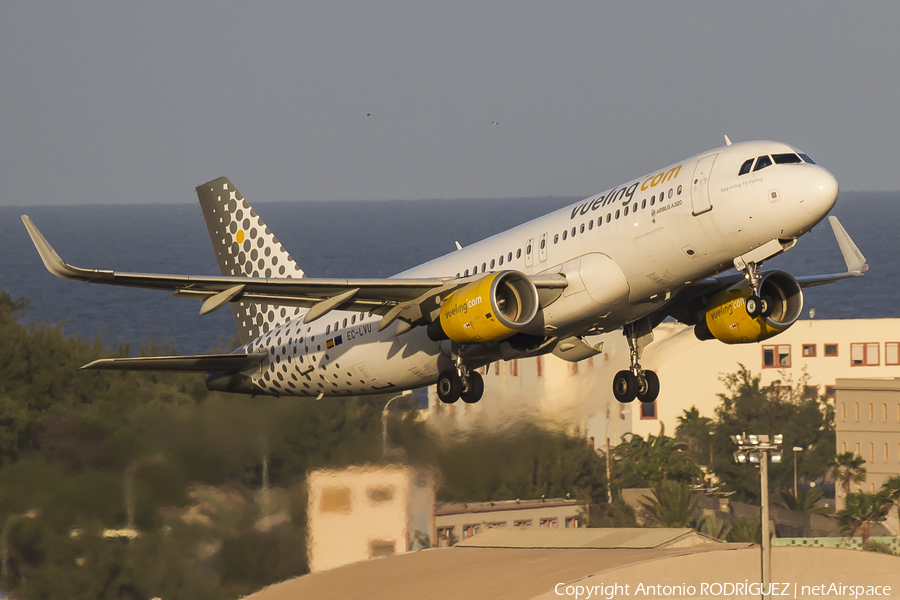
460 382
636 382
756 305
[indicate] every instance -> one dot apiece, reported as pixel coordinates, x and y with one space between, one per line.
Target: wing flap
201 363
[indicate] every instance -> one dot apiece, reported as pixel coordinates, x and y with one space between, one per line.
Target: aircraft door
700 185
542 249
529 252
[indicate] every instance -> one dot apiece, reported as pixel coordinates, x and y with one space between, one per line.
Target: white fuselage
624 252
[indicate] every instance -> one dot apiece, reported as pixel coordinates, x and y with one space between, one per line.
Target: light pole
384 412
796 449
4 539
757 449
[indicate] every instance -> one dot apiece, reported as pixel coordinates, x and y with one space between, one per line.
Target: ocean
349 239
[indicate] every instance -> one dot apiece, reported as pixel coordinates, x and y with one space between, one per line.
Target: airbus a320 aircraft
652 248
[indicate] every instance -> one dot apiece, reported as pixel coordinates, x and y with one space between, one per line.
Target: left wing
392 298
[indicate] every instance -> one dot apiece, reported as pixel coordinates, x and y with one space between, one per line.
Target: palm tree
672 504
862 511
805 501
745 529
847 468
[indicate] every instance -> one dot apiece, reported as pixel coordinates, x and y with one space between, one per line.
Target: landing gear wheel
625 386
766 306
475 390
754 306
648 387
449 387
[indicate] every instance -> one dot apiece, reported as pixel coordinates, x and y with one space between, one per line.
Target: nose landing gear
460 382
636 382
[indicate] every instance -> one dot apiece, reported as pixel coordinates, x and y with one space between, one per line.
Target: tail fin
245 246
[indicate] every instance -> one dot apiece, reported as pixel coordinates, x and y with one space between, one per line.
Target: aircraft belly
596 286
349 361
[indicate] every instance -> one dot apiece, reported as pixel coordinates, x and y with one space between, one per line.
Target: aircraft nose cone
817 190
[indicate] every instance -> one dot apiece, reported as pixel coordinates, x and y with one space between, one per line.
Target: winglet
51 259
856 262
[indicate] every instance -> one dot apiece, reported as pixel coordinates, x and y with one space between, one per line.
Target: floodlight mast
756 449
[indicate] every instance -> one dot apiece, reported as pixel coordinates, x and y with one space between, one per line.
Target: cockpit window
762 162
786 159
745 168
807 159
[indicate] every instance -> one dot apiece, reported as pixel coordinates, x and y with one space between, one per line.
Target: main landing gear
635 382
460 382
756 305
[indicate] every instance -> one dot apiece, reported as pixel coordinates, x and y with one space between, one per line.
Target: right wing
392 298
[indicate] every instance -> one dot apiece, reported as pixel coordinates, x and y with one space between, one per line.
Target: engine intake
726 318
489 309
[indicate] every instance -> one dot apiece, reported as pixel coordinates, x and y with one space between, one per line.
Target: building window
872 454
829 392
648 411
871 412
857 418
571 522
445 536
523 524
886 453
496 525
884 412
514 367
857 449
381 548
777 356
843 446
549 523
783 393
539 362
864 355
470 530
497 368
831 349
892 353
843 411
809 350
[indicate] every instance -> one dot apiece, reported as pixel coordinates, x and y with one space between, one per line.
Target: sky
139 102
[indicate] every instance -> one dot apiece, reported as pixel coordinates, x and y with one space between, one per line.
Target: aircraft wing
393 298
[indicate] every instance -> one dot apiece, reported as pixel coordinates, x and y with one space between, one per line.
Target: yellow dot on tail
240 237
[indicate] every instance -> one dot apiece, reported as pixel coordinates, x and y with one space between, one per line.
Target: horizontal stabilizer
201 363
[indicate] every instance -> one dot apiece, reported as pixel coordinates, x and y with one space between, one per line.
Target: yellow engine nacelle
492 308
726 317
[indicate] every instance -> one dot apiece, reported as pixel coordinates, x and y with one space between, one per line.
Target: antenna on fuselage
727 141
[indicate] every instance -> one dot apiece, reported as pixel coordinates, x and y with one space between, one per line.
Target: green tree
619 514
803 420
672 504
745 529
861 511
695 431
804 501
643 463
847 468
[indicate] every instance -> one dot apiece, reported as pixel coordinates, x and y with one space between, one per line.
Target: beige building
462 521
867 419
366 512
579 395
549 564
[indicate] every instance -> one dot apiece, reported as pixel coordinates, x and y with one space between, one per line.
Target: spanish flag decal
335 341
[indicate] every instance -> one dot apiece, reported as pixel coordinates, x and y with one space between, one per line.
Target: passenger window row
633 208
778 159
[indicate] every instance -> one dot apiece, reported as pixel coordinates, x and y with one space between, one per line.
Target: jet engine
726 318
489 309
